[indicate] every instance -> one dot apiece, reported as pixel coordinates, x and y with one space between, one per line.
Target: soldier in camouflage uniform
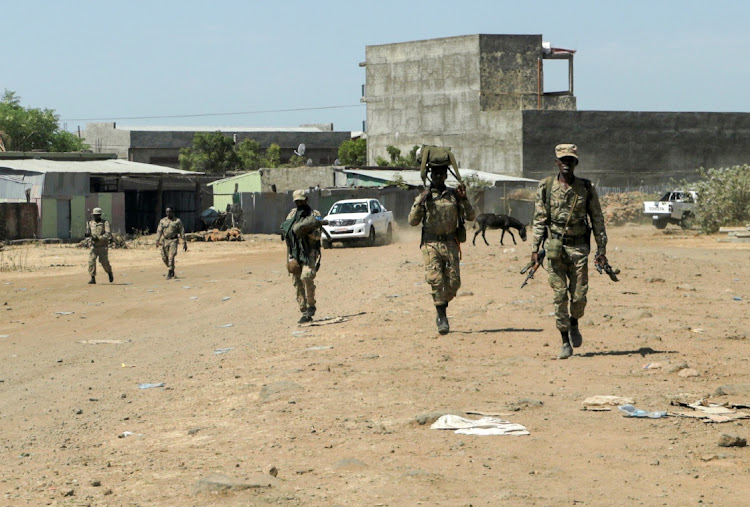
301 231
98 230
564 215
171 230
438 208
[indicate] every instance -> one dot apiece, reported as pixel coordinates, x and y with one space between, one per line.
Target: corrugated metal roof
112 166
162 128
413 178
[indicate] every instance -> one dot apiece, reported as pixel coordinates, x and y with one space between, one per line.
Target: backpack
436 156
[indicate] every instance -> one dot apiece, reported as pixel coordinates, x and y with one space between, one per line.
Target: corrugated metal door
63 218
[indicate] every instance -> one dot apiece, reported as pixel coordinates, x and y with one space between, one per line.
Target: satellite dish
309 162
337 162
300 151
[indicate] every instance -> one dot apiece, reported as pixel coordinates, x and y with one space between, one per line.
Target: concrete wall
105 138
631 149
292 178
18 220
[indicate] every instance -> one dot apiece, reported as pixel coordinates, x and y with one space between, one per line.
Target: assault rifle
532 267
606 268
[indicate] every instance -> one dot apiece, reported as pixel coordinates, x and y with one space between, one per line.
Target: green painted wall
49 218
249 182
78 217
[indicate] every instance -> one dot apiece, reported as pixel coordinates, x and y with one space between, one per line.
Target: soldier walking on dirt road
440 209
301 231
564 205
98 230
170 229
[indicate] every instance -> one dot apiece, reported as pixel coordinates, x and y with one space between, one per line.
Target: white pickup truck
675 207
358 220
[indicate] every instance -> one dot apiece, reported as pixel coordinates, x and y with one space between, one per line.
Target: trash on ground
149 386
128 365
193 297
226 298
483 426
737 299
325 321
652 366
4 335
320 347
64 313
298 333
709 412
603 402
697 330
185 286
129 434
223 351
631 411
225 325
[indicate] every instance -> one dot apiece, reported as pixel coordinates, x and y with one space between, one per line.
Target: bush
723 197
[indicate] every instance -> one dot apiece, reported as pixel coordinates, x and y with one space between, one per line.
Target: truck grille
340 223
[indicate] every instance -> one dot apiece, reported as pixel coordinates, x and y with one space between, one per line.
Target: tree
353 152
27 129
393 152
211 152
273 156
250 153
397 160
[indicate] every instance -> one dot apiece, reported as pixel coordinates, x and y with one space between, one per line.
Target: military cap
299 195
566 150
97 211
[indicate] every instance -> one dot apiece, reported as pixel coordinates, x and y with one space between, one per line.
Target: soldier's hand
158 244
323 222
601 259
461 191
424 195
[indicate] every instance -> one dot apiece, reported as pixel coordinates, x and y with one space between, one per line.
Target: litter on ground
149 386
631 411
712 412
483 426
223 351
604 402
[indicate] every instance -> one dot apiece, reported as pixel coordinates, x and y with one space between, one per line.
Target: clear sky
116 61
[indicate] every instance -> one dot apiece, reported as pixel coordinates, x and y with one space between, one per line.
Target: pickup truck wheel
371 237
688 220
661 224
389 235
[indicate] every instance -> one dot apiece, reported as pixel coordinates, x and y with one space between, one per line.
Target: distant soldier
441 210
170 230
301 231
98 230
564 205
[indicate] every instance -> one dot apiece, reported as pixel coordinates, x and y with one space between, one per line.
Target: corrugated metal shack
67 186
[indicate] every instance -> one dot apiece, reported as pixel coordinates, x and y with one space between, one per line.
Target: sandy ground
334 407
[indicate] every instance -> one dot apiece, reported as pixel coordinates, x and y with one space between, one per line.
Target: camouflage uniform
169 232
439 213
100 236
569 273
304 282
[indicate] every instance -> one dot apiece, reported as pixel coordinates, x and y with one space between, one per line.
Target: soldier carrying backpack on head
442 211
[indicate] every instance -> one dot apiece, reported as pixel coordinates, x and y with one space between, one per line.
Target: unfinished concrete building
484 96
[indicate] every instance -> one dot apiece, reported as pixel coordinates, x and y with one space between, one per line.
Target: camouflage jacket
561 201
170 229
440 212
99 232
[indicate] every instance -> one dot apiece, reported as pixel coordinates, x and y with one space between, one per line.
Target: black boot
442 319
311 311
305 318
576 339
170 274
93 280
566 351
111 277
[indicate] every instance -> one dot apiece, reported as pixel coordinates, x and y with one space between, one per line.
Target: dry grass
14 258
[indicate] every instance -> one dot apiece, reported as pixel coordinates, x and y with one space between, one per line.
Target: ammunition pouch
461 233
554 248
294 267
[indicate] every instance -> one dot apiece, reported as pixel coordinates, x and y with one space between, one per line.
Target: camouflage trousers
169 252
305 285
102 252
569 276
442 270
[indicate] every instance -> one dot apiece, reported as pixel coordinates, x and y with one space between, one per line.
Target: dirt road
334 408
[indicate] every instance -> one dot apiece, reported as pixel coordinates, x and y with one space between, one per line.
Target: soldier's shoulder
291 213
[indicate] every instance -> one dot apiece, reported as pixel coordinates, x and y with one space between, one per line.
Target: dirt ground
335 408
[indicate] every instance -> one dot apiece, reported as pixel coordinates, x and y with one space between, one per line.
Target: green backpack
436 156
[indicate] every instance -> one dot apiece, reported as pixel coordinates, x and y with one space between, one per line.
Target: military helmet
299 195
96 211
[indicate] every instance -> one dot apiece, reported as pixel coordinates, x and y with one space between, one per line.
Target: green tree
211 152
250 153
27 129
393 152
723 197
353 152
381 162
273 156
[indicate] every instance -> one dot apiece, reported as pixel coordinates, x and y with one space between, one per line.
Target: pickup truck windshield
348 207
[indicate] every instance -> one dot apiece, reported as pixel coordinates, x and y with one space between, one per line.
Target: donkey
504 222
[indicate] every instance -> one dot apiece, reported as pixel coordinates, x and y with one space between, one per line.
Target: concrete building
161 145
66 186
484 96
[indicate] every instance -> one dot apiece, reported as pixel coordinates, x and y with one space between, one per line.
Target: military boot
576 339
93 280
304 319
566 351
170 274
442 319
111 277
311 311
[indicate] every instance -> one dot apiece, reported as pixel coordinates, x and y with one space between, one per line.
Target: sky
283 63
